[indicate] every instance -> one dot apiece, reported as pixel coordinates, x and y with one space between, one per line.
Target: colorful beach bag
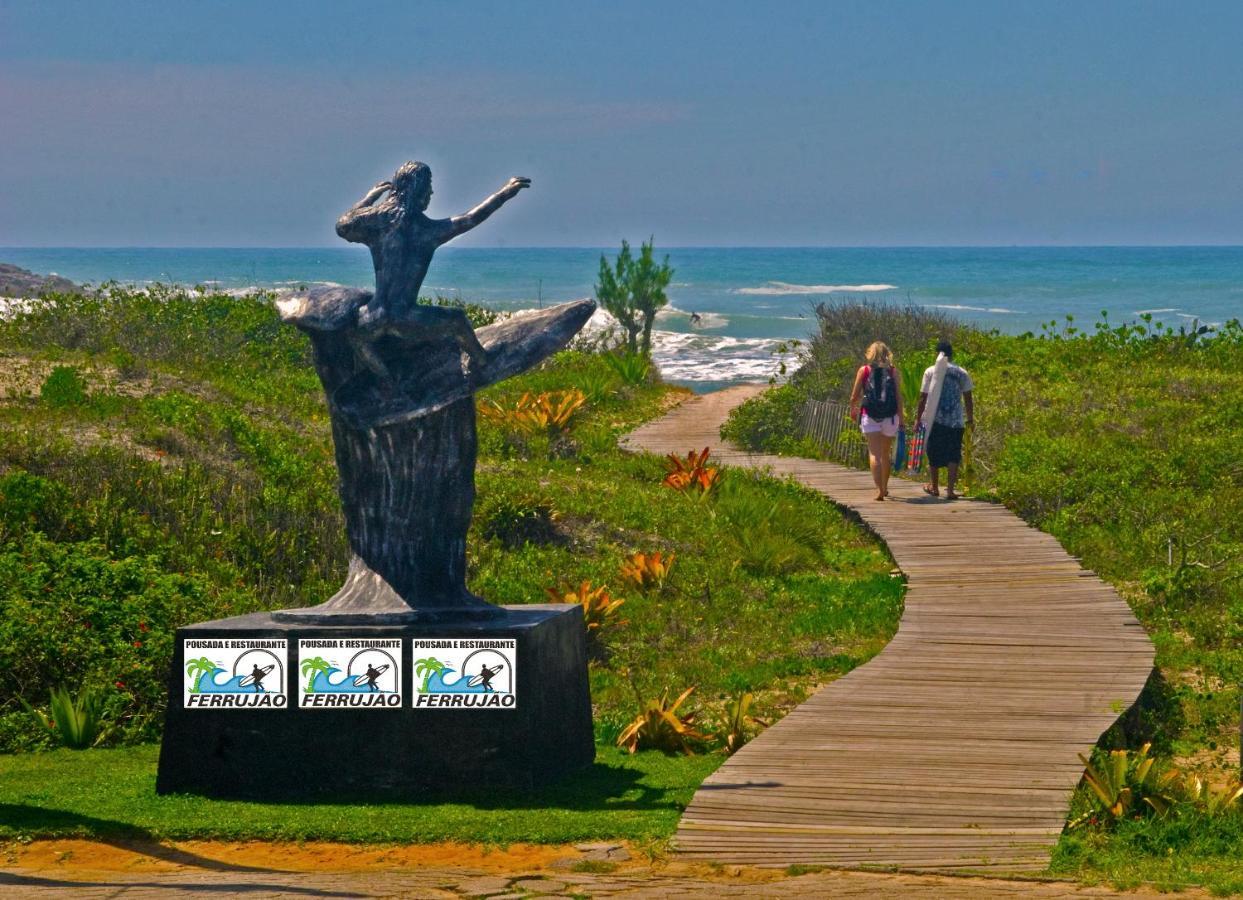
899 456
917 448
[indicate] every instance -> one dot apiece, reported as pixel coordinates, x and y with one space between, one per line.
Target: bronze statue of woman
400 376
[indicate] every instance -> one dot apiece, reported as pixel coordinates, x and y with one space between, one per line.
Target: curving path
955 747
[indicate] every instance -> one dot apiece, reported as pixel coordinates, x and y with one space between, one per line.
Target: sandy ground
89 869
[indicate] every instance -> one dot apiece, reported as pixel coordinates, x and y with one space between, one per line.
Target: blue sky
826 123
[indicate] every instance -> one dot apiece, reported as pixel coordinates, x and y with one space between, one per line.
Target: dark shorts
944 446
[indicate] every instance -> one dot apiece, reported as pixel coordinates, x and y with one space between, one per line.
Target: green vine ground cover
1122 441
165 458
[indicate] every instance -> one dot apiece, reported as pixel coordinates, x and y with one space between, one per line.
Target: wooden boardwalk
955 747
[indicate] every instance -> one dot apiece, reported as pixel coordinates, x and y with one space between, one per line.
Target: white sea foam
1153 312
698 357
704 358
777 288
960 307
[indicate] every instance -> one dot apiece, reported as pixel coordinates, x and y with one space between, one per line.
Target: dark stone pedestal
502 701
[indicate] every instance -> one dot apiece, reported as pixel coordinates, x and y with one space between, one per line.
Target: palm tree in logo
427 668
313 667
196 669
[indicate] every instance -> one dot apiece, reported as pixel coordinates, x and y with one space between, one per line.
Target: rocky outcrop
18 282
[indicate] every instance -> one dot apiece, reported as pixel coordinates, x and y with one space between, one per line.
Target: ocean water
748 299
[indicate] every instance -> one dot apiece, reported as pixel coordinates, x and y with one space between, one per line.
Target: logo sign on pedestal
235 673
465 673
349 673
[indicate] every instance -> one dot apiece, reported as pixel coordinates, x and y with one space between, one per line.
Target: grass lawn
111 793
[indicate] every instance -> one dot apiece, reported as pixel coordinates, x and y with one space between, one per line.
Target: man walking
954 413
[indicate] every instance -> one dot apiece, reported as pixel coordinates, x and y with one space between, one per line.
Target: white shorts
887 427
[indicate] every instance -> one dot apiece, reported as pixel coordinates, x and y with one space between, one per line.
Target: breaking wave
962 307
777 288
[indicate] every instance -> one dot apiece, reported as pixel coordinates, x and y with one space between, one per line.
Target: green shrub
128 365
64 387
518 519
631 368
771 421
845 329
477 314
770 535
31 503
70 614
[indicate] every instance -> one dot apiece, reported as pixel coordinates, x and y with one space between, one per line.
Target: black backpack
880 397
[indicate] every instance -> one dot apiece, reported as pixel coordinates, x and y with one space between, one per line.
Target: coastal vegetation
183 471
1118 439
632 290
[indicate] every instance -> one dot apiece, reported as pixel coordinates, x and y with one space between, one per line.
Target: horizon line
360 249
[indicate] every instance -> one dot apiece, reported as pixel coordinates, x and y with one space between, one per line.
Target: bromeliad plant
647 570
550 412
547 413
659 727
599 608
739 725
631 368
76 720
1127 783
1208 800
692 475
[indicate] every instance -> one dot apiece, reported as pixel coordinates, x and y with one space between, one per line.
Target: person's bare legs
933 487
950 479
876 455
886 466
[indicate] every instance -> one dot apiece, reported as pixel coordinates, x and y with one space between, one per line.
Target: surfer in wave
257 675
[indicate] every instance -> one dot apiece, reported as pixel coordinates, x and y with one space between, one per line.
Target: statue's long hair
409 181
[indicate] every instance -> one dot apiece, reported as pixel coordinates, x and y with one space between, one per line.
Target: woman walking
877 400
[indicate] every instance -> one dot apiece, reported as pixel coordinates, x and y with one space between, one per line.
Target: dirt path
88 869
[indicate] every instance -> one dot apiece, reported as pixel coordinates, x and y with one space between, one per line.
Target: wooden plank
955 748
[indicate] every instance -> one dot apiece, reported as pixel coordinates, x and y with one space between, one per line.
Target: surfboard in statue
423 382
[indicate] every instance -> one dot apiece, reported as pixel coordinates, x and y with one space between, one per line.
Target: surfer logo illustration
341 674
485 677
238 676
256 676
465 673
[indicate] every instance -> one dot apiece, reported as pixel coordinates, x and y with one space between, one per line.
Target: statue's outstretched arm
363 219
467 221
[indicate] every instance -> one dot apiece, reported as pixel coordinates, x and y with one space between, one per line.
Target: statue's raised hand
381 188
514 185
